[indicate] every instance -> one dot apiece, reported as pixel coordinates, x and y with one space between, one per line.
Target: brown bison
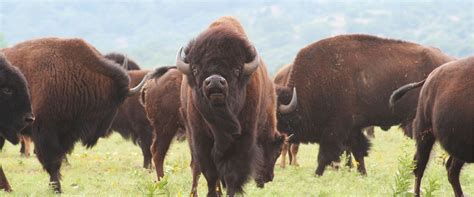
75 95
131 121
15 107
161 100
228 104
343 84
445 113
160 96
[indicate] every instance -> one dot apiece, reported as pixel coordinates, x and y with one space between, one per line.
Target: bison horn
138 88
290 137
180 64
249 68
284 109
125 62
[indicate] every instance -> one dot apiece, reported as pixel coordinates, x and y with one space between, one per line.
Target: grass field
113 168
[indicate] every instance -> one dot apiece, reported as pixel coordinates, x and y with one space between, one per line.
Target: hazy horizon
151 31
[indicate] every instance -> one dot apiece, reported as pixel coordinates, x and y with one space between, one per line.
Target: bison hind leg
359 146
454 167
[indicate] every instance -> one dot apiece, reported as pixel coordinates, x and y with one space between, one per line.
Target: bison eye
237 72
7 91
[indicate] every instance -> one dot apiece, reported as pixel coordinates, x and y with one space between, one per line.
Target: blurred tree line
152 31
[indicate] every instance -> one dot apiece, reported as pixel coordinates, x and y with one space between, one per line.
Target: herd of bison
235 118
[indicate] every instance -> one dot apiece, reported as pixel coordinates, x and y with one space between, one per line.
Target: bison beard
76 93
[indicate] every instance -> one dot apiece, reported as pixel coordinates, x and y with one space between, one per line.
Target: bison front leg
424 144
330 148
293 154
454 167
50 153
4 185
146 139
25 145
196 171
284 151
359 146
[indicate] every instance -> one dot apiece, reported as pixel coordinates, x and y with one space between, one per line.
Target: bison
226 98
15 107
160 97
445 113
131 121
161 100
343 83
75 95
290 148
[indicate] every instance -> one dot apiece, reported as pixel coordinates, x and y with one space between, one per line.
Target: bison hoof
56 187
260 184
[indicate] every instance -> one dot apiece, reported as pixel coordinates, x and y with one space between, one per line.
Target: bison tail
152 75
398 94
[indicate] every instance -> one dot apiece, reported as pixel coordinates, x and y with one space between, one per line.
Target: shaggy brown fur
343 84
445 113
223 134
76 93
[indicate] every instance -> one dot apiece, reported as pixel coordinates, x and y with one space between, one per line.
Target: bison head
15 106
287 108
219 63
270 150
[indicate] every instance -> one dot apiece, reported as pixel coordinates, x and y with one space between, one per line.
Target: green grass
113 168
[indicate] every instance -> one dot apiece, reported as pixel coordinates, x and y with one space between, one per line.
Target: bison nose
215 81
29 118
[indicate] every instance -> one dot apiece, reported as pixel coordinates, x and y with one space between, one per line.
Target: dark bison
290 148
445 113
75 95
131 121
228 103
343 85
15 107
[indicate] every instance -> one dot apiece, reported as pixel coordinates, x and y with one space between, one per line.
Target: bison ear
283 93
279 139
287 99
